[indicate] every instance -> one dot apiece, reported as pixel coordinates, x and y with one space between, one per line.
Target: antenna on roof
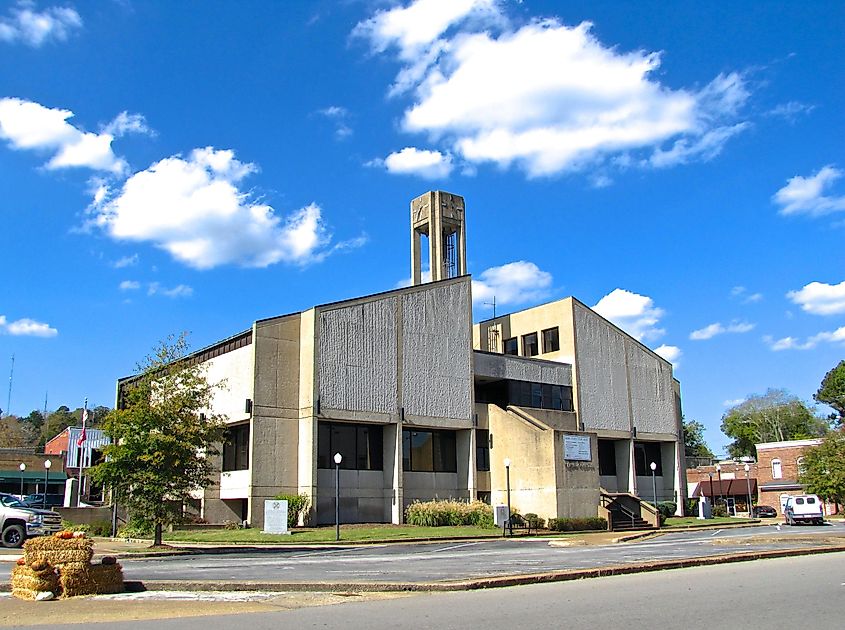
493 304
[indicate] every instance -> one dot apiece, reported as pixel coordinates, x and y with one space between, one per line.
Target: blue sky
196 166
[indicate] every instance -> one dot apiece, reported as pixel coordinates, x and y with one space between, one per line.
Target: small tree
832 391
823 468
160 440
694 443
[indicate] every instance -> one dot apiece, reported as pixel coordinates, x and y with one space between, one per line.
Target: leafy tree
57 422
694 444
771 417
832 391
11 432
160 440
823 468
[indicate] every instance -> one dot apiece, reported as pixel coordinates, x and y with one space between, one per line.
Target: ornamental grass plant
441 513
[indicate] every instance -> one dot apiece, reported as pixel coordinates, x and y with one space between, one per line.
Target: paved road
801 592
462 560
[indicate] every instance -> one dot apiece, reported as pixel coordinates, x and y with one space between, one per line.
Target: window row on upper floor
530 343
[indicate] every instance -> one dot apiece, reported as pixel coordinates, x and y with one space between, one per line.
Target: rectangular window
529 345
482 449
429 451
644 454
511 346
607 457
551 340
236 448
360 445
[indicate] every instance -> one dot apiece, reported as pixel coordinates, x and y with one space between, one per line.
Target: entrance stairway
625 512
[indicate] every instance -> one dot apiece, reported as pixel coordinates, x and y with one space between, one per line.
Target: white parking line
470 544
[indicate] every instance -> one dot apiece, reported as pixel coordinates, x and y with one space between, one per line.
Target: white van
803 508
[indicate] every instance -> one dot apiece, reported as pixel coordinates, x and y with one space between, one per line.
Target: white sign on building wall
275 517
577 448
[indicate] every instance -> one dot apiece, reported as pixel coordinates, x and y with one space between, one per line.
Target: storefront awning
725 488
30 475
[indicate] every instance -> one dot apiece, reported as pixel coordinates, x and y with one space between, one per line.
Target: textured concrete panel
602 379
436 352
520 369
652 391
357 357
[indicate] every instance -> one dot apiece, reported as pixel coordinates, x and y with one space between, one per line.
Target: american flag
81 439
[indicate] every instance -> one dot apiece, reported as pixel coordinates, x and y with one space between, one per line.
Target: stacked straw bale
28 580
62 566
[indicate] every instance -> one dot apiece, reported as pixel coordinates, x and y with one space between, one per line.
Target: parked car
803 508
37 500
19 521
764 511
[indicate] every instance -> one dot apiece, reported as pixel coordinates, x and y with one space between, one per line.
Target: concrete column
416 271
632 469
392 459
462 247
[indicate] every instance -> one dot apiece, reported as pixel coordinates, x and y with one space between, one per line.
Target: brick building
778 470
724 481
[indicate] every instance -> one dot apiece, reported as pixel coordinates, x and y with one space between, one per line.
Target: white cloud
129 285
635 314
793 343
514 283
743 294
34 28
26 328
339 115
29 125
806 195
791 110
424 163
710 331
194 209
126 261
178 291
570 101
819 298
671 353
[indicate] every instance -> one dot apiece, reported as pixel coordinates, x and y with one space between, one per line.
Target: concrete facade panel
502 366
602 377
652 391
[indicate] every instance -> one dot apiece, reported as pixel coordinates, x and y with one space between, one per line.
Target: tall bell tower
439 216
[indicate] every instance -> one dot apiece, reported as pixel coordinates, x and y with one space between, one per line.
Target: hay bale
58 551
27 582
108 578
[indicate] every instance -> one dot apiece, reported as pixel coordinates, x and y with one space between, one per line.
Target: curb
464 585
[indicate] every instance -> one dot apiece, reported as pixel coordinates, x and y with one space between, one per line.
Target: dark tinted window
236 448
429 451
810 500
511 346
551 340
360 445
607 457
482 449
644 454
529 345
799 501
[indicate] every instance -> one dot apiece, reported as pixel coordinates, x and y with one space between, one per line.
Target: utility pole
9 397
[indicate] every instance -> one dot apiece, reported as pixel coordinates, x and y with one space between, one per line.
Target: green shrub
534 521
719 511
667 508
97 528
298 505
439 513
135 529
594 523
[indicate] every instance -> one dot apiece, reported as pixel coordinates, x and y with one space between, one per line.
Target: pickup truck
803 508
19 522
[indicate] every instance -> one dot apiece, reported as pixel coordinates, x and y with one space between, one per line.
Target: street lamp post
712 494
23 468
653 467
508 486
748 486
337 459
719 473
47 464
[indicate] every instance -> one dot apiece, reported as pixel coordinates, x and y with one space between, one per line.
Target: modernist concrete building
421 406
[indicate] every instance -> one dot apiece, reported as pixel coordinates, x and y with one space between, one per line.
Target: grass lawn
348 533
684 521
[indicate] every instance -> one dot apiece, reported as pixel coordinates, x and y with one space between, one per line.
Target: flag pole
81 444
